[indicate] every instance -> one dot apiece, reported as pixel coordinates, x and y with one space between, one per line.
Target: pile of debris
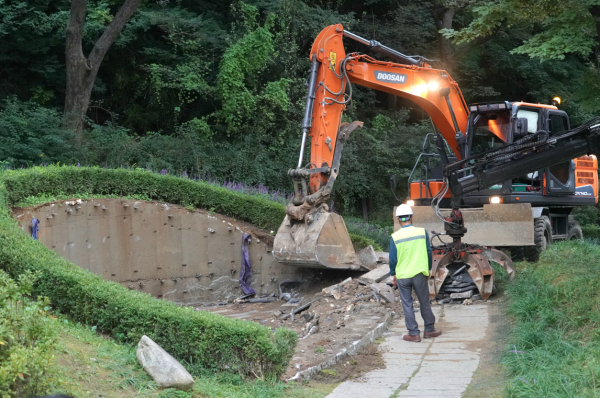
333 306
459 287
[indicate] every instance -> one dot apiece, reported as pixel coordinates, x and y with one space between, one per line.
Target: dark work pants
405 286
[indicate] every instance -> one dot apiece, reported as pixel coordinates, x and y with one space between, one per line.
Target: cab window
532 119
490 131
558 124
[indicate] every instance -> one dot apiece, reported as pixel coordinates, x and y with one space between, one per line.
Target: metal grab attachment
459 256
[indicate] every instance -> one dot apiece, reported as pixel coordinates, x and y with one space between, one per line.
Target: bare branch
112 31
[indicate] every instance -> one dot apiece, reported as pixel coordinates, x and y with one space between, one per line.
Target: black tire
517 253
542 236
575 231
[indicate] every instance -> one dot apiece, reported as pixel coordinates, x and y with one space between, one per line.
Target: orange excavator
478 147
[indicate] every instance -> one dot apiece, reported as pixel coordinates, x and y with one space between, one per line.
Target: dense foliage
554 346
28 339
208 340
217 88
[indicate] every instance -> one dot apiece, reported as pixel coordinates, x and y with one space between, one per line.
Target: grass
92 365
554 347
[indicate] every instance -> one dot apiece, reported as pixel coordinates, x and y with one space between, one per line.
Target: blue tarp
35 228
245 272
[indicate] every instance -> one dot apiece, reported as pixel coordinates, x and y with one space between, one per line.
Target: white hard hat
404 210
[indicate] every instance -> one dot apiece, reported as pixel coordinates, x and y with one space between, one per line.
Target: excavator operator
410 263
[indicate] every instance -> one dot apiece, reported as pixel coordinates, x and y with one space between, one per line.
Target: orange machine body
586 173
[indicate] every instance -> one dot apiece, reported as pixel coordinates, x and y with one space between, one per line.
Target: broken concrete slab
383 291
376 275
161 366
338 287
382 257
367 257
462 295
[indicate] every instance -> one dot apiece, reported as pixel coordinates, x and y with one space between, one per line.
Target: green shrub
381 236
54 180
360 242
210 340
586 215
27 339
591 231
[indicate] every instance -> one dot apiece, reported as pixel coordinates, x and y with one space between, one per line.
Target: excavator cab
534 207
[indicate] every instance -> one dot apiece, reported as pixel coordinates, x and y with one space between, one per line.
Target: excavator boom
310 235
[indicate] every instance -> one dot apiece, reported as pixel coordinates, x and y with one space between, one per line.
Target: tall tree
82 70
444 13
556 27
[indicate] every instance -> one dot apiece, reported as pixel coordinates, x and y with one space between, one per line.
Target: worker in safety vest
410 263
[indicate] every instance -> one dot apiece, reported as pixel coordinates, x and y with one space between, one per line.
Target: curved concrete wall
165 250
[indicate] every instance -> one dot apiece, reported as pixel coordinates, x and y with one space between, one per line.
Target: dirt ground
326 327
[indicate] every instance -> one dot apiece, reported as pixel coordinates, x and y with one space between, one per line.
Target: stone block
161 366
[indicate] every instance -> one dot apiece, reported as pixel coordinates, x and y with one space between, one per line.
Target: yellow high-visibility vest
411 247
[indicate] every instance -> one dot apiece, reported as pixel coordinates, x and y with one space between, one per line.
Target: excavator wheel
575 231
542 236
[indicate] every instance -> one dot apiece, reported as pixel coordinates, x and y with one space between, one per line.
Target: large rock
161 366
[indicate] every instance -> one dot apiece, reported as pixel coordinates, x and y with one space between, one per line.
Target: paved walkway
440 367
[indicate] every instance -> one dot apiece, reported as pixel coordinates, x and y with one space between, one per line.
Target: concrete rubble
377 275
161 366
384 291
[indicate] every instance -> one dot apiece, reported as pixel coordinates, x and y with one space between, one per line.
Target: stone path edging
349 349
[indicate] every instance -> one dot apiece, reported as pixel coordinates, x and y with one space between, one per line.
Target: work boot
434 333
408 337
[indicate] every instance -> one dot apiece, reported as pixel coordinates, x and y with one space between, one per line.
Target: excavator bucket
494 225
320 242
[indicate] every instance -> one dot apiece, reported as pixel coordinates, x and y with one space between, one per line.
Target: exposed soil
366 360
335 322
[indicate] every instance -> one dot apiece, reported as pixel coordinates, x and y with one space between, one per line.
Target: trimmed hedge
56 180
591 231
209 340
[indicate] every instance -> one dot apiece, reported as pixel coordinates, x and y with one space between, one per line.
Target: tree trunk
595 11
450 54
82 70
443 20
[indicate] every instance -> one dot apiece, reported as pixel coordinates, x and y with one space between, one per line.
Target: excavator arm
310 235
333 72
